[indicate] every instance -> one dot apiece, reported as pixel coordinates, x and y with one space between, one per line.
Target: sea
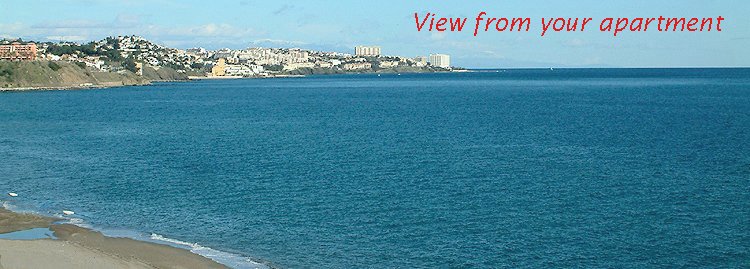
517 168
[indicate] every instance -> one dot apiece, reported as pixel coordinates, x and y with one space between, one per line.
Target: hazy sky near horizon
339 25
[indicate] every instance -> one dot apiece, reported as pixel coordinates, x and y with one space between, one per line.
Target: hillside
164 73
60 74
114 61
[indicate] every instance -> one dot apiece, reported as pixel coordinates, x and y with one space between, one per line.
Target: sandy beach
77 247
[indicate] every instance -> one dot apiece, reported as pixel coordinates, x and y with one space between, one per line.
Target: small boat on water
68 212
13 194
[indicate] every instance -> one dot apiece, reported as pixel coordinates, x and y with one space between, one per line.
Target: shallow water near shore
30 234
504 168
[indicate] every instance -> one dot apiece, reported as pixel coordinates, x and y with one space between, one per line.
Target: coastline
78 247
107 85
26 89
67 88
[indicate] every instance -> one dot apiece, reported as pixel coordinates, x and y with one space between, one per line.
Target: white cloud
11 29
127 20
71 38
576 42
71 24
279 42
206 30
88 30
437 35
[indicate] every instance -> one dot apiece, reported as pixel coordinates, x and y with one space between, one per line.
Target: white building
323 64
295 66
53 57
242 70
357 66
298 56
420 61
367 51
197 51
93 62
388 64
268 56
440 60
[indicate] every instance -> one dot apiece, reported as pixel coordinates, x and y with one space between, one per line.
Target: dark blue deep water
519 168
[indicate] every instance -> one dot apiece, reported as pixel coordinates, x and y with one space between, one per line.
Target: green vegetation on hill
54 66
115 60
55 74
89 49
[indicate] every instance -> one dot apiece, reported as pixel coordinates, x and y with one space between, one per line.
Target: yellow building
219 68
139 69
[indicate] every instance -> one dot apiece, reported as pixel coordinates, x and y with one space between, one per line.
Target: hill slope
59 74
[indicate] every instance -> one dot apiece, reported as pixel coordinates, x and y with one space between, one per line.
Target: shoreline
78 247
200 78
71 88
189 79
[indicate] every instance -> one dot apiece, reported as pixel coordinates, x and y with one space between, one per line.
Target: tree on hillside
197 66
129 64
54 66
274 67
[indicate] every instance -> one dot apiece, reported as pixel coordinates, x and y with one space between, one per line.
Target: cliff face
59 74
163 73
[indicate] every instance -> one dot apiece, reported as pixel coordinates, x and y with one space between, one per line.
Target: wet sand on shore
78 247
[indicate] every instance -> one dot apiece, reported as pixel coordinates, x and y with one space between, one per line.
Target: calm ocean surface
520 168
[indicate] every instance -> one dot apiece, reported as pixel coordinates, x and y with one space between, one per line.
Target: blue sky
340 25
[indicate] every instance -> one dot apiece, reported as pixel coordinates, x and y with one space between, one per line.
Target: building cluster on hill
116 54
268 61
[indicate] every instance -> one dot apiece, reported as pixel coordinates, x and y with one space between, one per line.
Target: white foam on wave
225 258
229 259
159 237
74 221
10 206
7 206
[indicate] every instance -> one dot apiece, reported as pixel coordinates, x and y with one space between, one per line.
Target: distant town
134 53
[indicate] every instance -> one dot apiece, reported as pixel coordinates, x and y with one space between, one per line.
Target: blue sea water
556 168
30 234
